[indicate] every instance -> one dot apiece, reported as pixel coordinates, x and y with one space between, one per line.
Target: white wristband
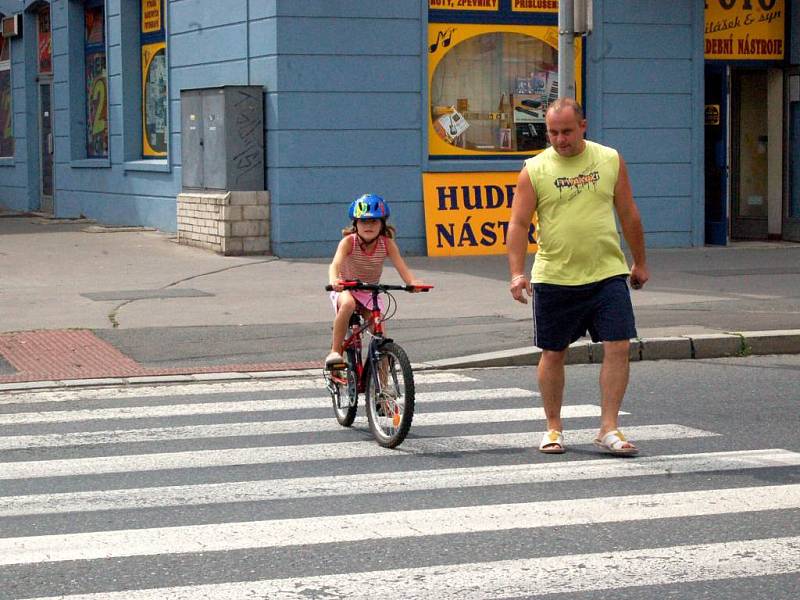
516 277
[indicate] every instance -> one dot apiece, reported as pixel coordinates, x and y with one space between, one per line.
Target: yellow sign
467 213
442 38
151 16
744 29
545 6
712 114
463 4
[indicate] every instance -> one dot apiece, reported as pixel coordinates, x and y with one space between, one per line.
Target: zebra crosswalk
236 490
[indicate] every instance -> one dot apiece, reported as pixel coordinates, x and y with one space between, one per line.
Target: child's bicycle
383 375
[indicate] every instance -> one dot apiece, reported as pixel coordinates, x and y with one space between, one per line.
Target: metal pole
566 49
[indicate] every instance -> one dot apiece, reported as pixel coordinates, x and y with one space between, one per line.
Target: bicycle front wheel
390 396
345 397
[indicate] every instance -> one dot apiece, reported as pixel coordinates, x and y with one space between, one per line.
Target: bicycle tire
345 399
390 409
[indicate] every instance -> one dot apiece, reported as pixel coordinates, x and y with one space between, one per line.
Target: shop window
6 111
491 75
96 79
44 41
154 92
144 98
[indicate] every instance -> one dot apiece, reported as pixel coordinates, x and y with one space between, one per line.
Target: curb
700 346
29 386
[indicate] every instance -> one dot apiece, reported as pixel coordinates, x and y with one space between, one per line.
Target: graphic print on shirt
577 183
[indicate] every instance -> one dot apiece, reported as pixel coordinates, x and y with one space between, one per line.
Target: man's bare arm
522 209
631 223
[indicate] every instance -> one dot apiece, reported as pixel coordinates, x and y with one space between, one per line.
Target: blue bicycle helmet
369 206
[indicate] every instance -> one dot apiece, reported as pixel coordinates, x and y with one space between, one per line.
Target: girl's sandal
615 443
552 442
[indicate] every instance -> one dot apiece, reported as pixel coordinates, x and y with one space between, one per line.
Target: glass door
749 168
46 147
716 154
46 142
791 209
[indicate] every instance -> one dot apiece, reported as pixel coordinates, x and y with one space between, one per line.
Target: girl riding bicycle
360 255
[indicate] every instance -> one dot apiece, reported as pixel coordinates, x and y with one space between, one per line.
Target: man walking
580 273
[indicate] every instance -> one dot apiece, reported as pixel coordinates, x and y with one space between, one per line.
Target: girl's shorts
564 313
363 298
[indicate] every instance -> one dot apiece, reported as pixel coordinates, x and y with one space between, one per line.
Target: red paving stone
79 354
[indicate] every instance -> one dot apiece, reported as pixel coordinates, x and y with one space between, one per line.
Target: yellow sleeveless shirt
578 239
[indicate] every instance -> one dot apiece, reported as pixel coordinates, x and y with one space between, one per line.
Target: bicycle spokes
342 385
390 396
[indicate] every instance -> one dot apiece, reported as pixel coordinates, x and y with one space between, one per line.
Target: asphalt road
171 487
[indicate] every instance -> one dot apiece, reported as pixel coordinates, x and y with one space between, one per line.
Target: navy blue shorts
564 313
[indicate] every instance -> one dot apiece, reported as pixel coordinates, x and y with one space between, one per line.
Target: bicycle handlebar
380 287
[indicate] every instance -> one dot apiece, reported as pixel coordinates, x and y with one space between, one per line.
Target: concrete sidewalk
79 301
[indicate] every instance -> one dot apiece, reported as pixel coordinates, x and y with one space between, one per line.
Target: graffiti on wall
248 129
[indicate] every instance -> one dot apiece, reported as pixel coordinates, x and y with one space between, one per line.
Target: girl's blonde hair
388 230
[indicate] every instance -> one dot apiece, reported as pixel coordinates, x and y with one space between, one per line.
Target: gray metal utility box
222 138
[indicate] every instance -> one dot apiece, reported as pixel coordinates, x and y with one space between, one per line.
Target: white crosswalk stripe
152 472
512 578
196 389
382 483
421 419
216 408
329 451
394 524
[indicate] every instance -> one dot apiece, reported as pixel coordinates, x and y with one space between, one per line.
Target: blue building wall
346 118
345 111
645 78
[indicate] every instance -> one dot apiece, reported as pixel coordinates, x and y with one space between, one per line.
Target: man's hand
520 288
639 276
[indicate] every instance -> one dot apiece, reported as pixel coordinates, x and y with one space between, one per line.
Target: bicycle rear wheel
390 396
345 391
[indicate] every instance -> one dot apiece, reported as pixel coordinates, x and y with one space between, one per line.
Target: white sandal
552 442
615 443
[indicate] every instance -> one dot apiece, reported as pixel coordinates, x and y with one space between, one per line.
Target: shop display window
44 41
490 81
6 112
96 81
155 99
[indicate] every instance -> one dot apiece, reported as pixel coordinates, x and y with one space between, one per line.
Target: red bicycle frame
375 323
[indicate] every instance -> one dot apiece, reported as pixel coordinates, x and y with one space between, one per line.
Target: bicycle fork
384 383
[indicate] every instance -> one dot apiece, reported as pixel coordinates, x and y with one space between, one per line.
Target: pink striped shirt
362 265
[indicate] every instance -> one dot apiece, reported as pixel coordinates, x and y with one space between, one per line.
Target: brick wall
229 223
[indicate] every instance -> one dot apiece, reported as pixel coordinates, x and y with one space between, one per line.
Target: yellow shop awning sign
744 29
468 213
464 4
550 6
